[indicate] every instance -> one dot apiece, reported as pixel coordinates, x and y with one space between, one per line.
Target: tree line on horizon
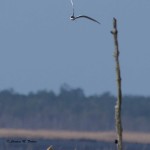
71 109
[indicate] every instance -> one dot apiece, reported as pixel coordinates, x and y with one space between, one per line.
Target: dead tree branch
118 122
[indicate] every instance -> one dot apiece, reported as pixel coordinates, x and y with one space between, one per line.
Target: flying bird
73 17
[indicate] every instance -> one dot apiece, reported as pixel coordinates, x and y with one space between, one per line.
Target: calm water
42 144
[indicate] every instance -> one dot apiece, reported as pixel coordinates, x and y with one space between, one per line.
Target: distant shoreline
106 136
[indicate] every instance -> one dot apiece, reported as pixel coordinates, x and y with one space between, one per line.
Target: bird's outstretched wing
87 17
81 16
71 2
72 6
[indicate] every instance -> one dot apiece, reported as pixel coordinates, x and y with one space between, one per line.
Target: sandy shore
100 136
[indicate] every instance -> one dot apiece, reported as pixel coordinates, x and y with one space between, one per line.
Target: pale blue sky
40 48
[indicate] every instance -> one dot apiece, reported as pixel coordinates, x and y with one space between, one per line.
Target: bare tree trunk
119 92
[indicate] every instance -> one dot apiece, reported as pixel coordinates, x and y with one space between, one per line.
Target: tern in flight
73 17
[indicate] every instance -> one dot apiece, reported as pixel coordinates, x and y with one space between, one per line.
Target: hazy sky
40 48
